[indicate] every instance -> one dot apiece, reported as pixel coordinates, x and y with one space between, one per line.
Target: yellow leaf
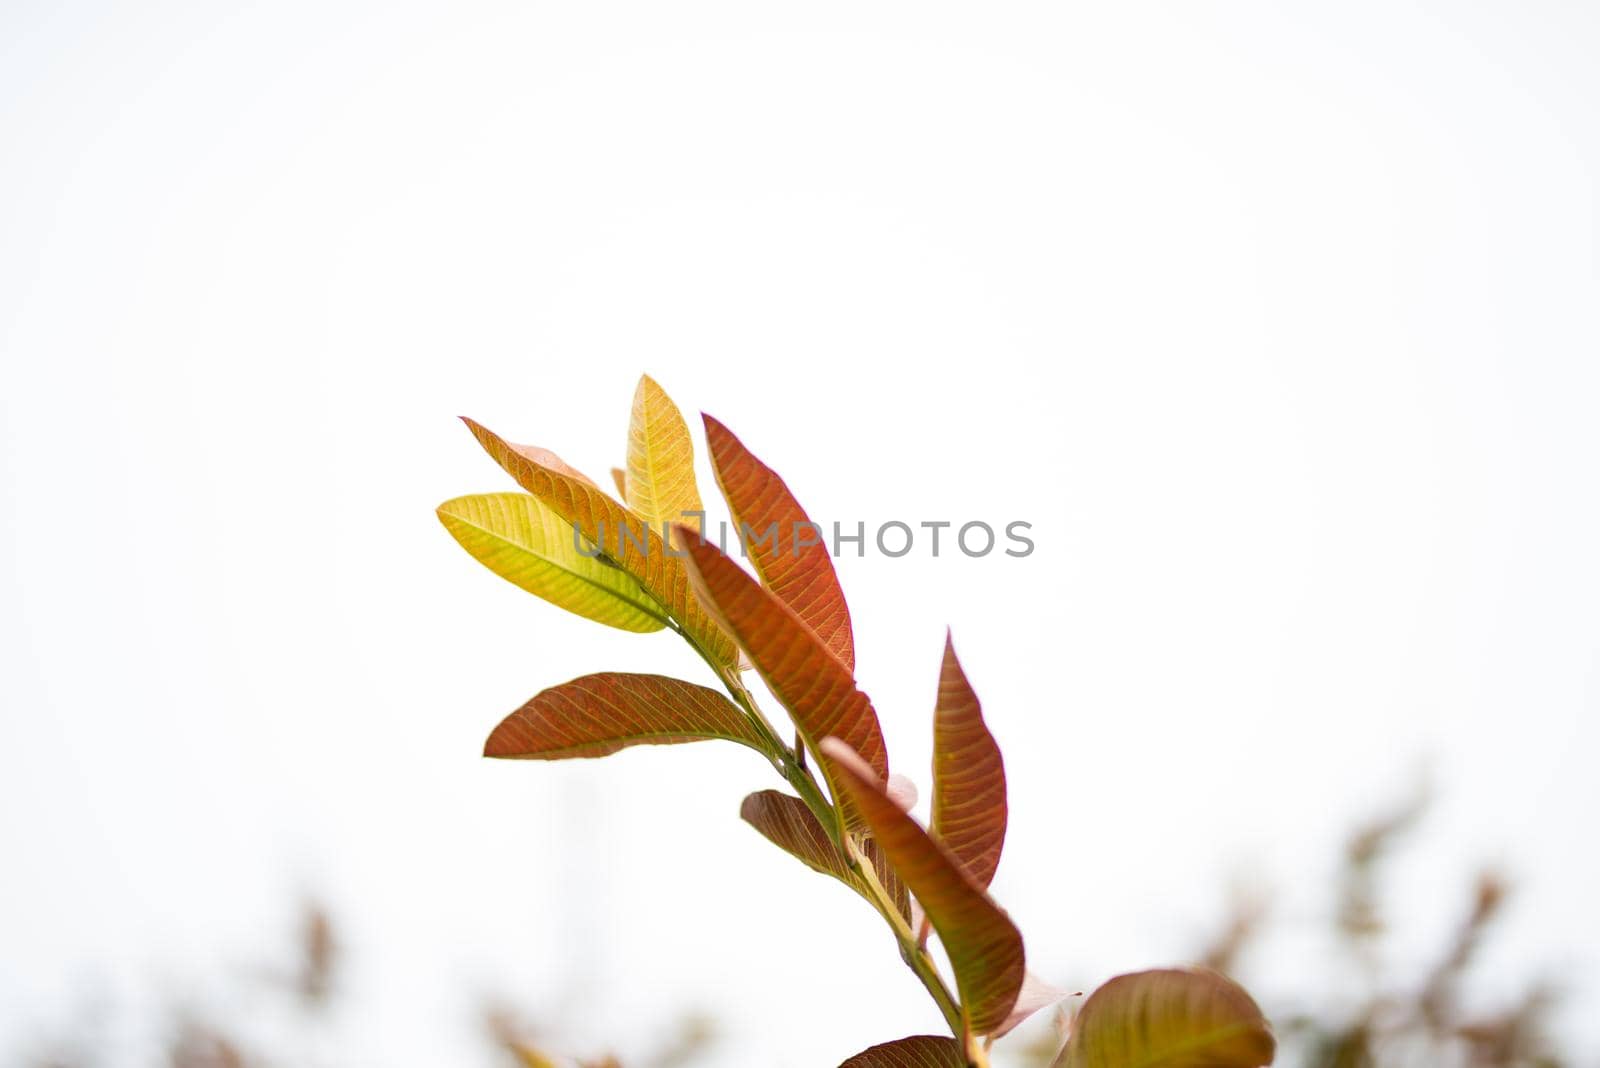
623 536
660 484
527 544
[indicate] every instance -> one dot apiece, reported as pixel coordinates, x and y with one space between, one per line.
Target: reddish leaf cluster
638 564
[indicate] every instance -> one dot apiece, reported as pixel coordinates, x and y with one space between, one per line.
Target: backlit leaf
786 822
813 684
1169 1018
660 483
1035 994
788 551
622 536
620 477
596 715
919 1051
984 946
527 544
969 779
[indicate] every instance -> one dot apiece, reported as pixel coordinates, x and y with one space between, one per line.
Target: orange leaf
620 477
969 778
919 1051
1169 1018
984 946
788 551
786 822
545 458
813 684
623 537
596 715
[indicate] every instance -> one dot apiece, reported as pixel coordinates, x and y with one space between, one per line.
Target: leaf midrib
650 610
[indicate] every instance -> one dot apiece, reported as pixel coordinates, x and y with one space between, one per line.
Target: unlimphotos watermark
894 539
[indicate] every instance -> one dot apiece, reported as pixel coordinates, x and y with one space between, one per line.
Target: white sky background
1278 321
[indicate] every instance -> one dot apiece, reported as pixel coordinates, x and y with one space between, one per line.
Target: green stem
912 951
791 765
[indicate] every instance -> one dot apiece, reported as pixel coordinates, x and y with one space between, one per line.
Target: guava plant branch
912 952
783 759
791 620
794 771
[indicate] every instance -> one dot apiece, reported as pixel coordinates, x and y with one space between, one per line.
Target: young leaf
788 551
813 684
1169 1018
527 544
620 477
596 715
622 536
786 822
969 779
660 484
984 946
1035 994
919 1051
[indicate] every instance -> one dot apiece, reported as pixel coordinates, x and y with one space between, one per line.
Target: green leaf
596 715
660 484
623 537
528 545
969 778
786 822
984 946
788 551
1169 1018
919 1051
813 684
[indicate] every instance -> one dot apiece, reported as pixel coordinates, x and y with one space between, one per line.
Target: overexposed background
1278 322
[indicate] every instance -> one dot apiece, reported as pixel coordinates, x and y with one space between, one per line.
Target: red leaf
596 715
786 822
984 946
919 1051
813 684
793 565
969 778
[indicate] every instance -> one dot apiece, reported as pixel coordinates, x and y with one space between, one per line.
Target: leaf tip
495 746
647 387
479 431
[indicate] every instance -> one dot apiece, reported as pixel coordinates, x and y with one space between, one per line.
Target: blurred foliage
1384 1024
1423 1023
1426 1023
